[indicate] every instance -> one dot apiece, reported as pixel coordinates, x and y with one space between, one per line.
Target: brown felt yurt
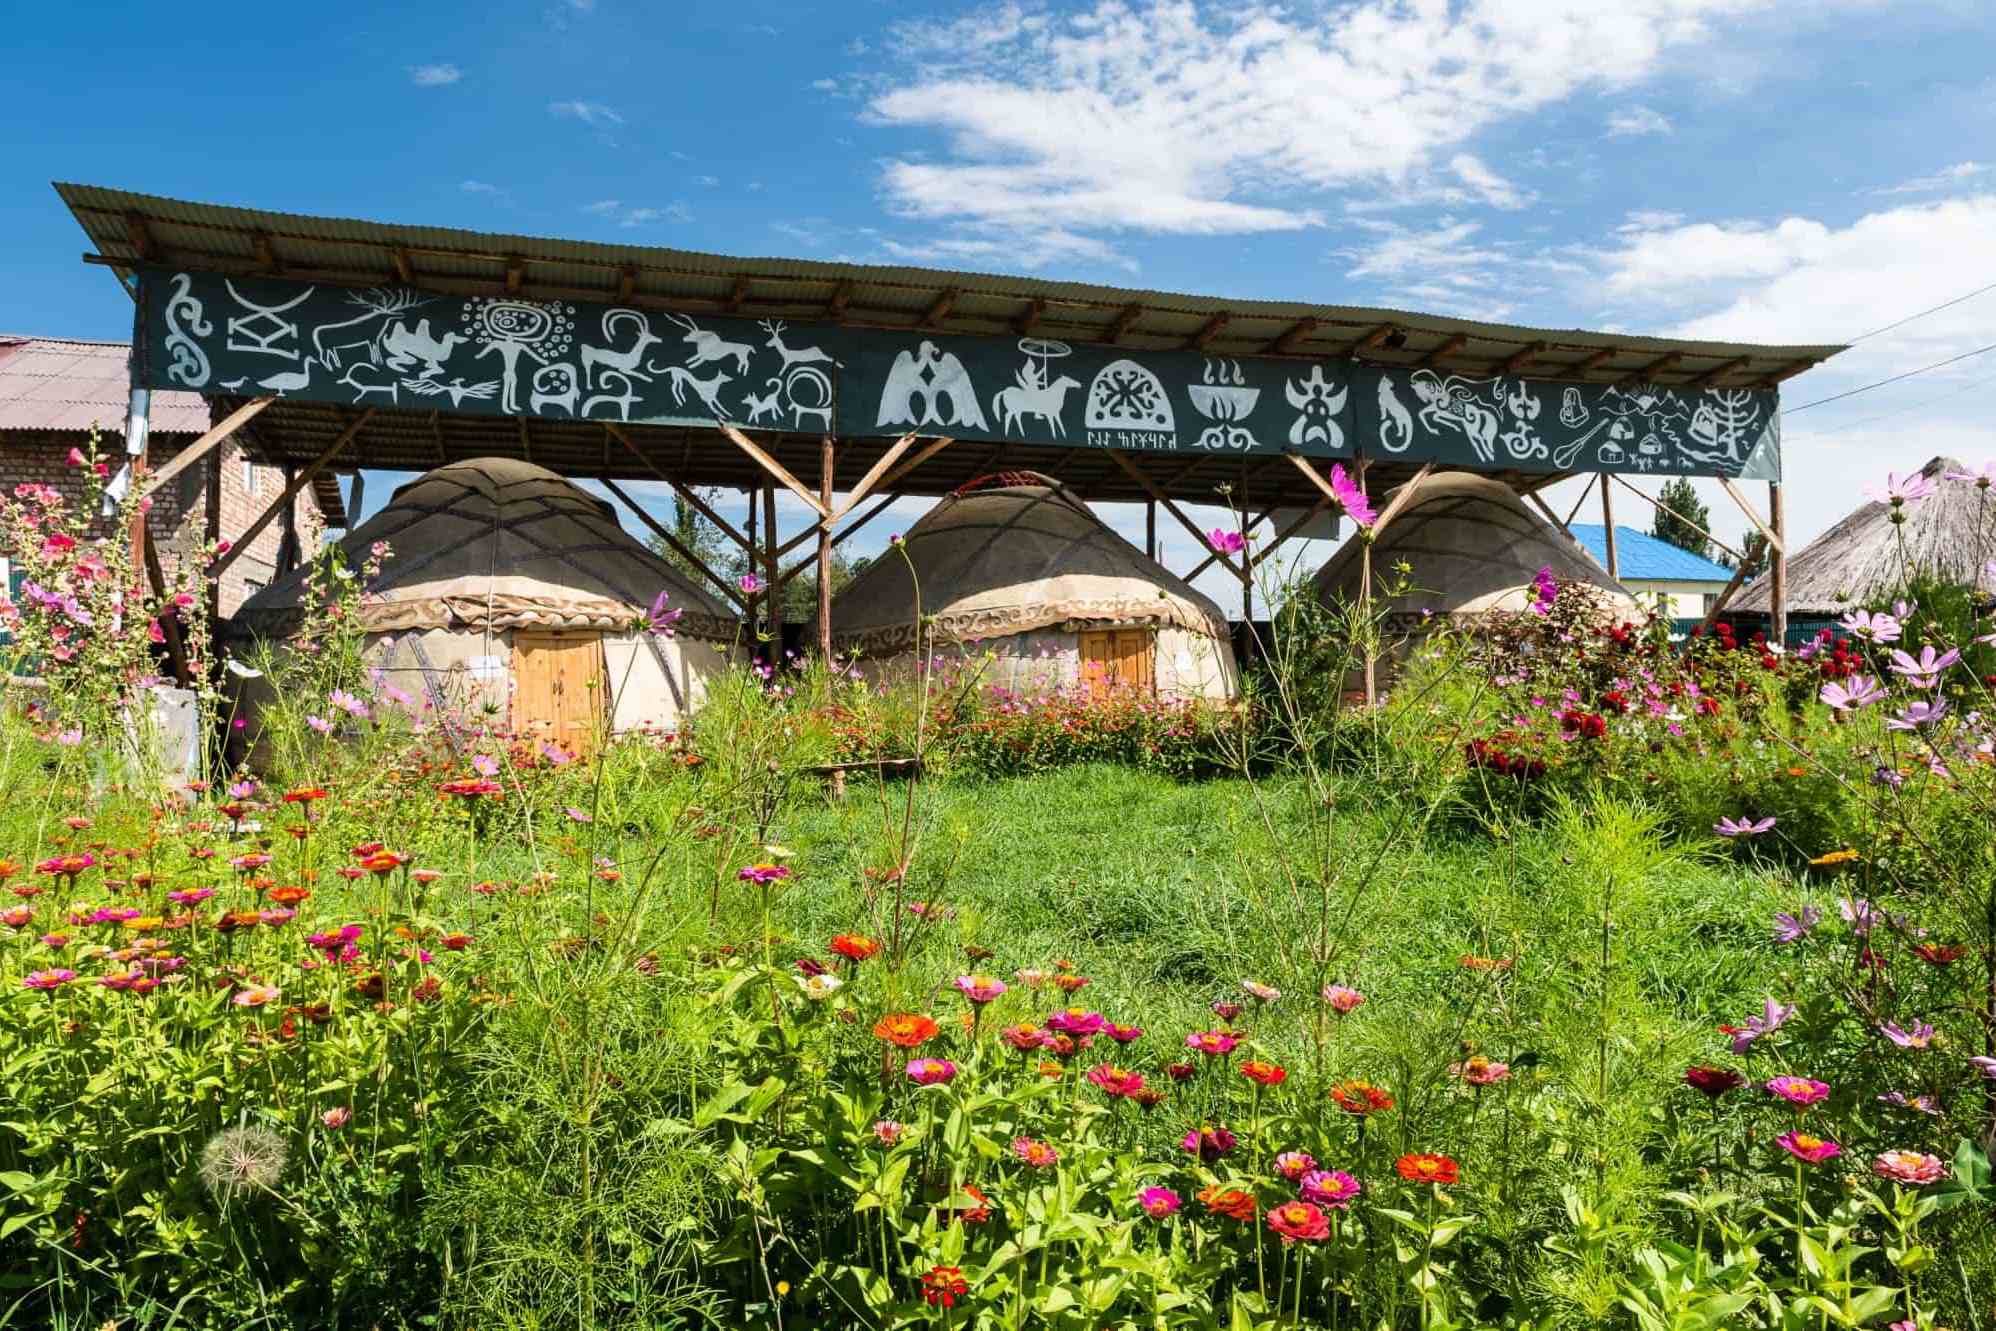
511 593
1474 549
1015 567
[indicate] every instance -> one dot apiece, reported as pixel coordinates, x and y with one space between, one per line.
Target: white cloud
1960 174
825 85
434 76
708 181
589 113
478 187
1003 248
1635 121
602 207
1191 117
615 210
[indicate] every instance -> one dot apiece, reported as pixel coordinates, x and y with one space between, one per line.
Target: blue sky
1731 168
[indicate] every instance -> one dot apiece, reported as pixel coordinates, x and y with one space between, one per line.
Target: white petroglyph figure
936 380
709 347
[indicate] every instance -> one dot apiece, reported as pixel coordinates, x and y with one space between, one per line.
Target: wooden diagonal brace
290 495
1402 497
1164 500
1773 540
693 500
775 469
665 534
873 475
201 447
1662 507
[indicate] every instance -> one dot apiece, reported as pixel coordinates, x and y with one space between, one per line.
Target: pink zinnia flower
1293 1165
1209 1143
1343 1001
1159 1203
1076 1021
1034 1152
931 1071
886 1131
763 874
1115 1081
256 995
1329 1187
1122 1034
980 989
335 1119
1802 1091
1808 1148
1212 1043
49 979
1909 1167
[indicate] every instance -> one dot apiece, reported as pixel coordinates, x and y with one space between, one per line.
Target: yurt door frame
1119 658
558 685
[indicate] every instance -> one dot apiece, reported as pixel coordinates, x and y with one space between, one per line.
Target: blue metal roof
1643 557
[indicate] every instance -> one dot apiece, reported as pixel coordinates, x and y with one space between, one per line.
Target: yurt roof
1471 543
495 543
1010 554
1862 558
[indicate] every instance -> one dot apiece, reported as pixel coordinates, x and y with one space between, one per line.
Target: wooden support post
825 464
211 528
1777 578
873 474
771 572
673 543
169 623
215 437
1364 588
1150 528
752 610
288 554
1608 527
1401 498
290 495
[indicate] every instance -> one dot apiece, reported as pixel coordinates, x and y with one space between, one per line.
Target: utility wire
1838 397
1968 387
1944 305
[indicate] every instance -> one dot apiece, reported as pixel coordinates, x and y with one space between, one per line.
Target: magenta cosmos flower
1802 1091
1226 542
1159 1203
980 989
1912 1167
1329 1187
1808 1148
1209 1143
1739 827
931 1071
1212 1043
1351 498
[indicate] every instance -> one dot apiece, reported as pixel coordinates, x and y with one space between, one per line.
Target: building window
1711 599
249 477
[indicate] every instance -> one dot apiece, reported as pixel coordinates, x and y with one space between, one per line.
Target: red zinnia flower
854 947
1263 1074
942 1286
1229 1202
1714 1082
1420 1168
905 1030
1361 1098
1299 1220
304 795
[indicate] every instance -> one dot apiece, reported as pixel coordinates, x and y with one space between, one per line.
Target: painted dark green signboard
399 347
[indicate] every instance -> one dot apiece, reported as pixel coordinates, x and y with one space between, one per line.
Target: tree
703 539
1688 520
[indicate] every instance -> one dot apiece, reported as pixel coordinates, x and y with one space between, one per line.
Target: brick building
54 391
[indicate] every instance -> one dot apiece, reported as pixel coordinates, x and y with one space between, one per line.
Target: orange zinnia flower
854 947
1435 1169
1263 1074
905 1030
1229 1202
1361 1098
288 896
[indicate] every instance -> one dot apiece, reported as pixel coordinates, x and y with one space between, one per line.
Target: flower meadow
1595 979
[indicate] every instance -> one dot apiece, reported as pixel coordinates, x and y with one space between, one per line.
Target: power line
1944 305
1968 387
1937 365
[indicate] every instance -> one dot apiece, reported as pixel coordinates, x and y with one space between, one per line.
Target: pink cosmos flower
1899 491
1343 1001
1329 1187
931 1071
1848 694
320 724
1159 1203
1920 1037
749 583
1985 1066
1739 827
1772 1017
1923 671
1293 1165
1982 478
1351 498
1909 1167
1879 628
1808 1148
1794 928
1226 542
980 989
485 765
1804 1091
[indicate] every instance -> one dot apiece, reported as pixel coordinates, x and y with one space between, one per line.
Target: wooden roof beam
1521 359
141 238
516 274
1597 360
1125 317
738 294
944 303
1029 318
1446 349
1788 371
405 272
1290 336
627 282
1719 372
1208 331
1649 372
266 254
835 308
1370 340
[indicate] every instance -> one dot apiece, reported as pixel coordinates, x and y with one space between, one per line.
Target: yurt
1866 558
1474 548
1015 566
512 593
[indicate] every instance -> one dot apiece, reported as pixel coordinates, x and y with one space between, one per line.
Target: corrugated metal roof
70 385
128 229
1642 557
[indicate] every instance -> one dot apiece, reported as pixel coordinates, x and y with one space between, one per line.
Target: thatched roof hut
1950 535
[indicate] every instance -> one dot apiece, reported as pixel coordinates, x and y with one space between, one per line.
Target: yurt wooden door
558 686
1119 659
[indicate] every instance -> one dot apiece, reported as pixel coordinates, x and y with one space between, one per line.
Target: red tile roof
67 384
